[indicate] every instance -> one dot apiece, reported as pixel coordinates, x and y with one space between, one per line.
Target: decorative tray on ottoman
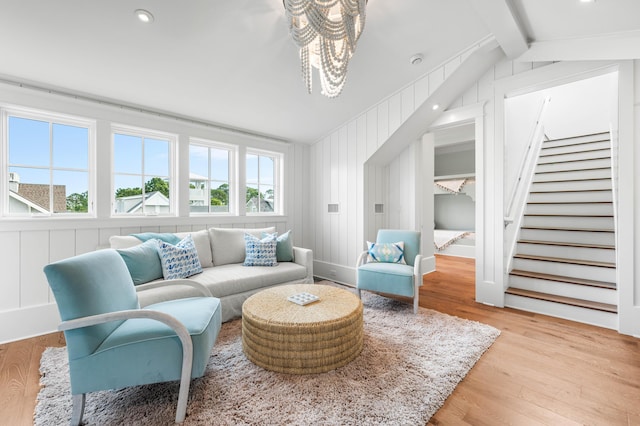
303 298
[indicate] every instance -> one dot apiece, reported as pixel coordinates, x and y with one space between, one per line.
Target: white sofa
221 252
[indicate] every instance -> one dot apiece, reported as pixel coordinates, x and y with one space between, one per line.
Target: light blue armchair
393 278
113 344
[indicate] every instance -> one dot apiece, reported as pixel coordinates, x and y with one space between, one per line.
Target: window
142 163
263 172
211 189
48 163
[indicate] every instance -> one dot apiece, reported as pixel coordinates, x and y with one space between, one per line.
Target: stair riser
574 156
566 270
573 313
564 252
583 209
576 165
571 197
573 175
579 185
594 294
576 141
578 237
565 149
586 222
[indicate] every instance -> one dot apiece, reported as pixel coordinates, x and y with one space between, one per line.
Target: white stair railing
520 190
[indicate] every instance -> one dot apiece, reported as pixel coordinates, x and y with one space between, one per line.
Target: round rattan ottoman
282 336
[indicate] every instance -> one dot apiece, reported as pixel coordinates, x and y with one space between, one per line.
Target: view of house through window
262 173
209 178
48 164
141 173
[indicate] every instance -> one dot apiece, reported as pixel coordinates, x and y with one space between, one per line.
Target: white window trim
172 138
233 174
58 118
277 180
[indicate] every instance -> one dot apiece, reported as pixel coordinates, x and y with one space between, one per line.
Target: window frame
278 164
144 133
51 118
233 174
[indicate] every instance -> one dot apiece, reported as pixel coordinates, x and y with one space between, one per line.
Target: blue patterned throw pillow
386 252
260 252
180 260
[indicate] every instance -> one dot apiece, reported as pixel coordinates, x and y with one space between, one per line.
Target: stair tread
561 278
570 180
607 157
563 244
570 202
563 260
589 169
574 152
552 191
579 136
571 144
548 228
568 215
606 307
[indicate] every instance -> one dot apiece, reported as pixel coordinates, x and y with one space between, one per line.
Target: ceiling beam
620 46
501 19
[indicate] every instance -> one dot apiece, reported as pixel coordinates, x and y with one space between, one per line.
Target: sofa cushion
179 261
228 280
143 262
227 244
203 246
123 241
284 247
260 252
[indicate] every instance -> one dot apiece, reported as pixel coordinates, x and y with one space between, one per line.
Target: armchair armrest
417 270
177 326
205 291
362 259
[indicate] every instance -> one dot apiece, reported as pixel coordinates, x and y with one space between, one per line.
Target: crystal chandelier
326 31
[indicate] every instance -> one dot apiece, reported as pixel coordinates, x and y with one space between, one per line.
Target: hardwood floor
541 370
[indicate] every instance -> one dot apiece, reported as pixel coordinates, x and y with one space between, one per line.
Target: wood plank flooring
541 370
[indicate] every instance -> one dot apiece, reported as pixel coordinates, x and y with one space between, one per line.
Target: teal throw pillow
284 246
386 252
143 262
180 260
260 252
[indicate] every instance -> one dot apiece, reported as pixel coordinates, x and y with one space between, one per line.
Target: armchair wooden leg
78 408
359 294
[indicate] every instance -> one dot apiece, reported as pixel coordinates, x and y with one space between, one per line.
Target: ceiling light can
416 59
144 16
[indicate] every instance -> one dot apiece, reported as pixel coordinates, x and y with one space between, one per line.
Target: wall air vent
378 208
333 208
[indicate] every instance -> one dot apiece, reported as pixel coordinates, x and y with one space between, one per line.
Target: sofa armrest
190 283
304 257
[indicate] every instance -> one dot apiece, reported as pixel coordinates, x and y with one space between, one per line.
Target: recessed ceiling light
144 16
416 59
587 1
435 107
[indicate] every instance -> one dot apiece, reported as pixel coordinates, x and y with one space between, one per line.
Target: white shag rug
410 364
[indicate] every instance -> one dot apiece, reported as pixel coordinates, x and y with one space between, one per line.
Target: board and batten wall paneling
340 174
10 280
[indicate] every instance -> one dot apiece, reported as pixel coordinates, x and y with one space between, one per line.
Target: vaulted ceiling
232 63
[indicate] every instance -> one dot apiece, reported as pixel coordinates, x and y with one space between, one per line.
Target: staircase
565 260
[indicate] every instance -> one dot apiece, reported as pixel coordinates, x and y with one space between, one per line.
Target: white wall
26 245
340 174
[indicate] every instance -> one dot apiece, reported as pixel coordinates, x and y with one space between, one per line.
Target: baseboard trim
333 272
28 322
